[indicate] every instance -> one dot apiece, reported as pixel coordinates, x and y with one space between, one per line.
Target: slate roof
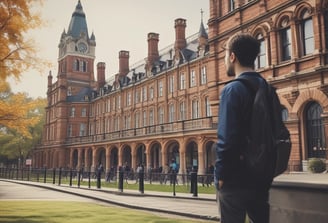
78 23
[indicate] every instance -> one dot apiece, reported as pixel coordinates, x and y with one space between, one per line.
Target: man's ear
232 57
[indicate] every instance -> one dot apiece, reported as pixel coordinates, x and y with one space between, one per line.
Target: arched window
203 75
285 40
231 5
208 107
137 120
151 93
69 91
307 36
161 115
182 111
76 65
151 117
171 112
84 66
70 130
72 112
261 58
315 131
195 109
144 120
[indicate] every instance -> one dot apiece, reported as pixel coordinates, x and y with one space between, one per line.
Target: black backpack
269 145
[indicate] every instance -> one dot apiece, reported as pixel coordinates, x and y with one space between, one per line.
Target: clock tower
77 54
69 97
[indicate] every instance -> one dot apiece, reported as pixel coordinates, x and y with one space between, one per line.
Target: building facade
166 107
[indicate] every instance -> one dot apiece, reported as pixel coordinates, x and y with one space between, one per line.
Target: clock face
82 47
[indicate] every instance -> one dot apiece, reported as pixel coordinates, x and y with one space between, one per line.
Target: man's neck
239 70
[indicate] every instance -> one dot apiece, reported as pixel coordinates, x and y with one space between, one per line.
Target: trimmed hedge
316 165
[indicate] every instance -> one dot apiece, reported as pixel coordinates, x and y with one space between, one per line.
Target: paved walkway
202 207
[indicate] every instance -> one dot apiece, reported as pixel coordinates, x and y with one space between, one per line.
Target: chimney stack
101 74
123 62
153 54
180 34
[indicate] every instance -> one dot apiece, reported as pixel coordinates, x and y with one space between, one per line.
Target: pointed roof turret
202 30
78 25
93 36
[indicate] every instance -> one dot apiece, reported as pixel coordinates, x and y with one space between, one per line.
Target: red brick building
166 107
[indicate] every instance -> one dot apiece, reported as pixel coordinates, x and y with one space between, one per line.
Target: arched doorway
315 132
210 156
173 153
89 159
126 158
114 158
141 155
155 156
101 159
74 159
192 156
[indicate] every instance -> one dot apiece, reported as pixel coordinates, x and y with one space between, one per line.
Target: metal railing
160 129
90 179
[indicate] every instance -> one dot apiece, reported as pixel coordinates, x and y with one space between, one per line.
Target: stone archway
173 152
155 154
126 156
192 156
101 157
315 131
75 158
141 157
210 156
114 158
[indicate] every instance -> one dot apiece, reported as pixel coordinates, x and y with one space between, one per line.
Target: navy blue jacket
234 114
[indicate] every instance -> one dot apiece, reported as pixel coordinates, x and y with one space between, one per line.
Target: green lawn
147 186
76 212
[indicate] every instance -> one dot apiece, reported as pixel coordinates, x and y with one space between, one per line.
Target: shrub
317 165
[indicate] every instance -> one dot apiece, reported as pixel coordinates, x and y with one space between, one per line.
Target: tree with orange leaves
17 54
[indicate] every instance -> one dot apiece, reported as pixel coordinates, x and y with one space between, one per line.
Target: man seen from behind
238 193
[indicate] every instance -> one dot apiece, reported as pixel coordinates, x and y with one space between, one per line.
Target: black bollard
54 176
70 177
174 175
79 179
59 178
37 175
141 181
89 179
193 183
45 175
120 180
98 179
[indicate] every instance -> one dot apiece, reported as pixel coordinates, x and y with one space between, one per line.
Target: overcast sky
117 25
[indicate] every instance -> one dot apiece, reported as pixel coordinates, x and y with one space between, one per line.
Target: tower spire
78 23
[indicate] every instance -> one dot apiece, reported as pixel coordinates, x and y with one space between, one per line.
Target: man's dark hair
245 47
